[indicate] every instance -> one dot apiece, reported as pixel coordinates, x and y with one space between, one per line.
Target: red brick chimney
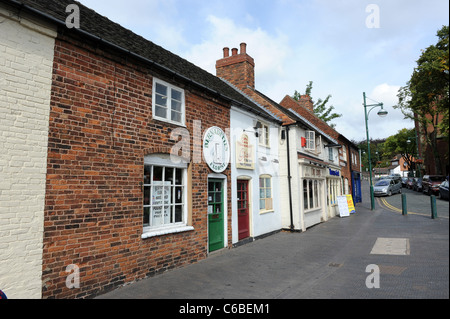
238 69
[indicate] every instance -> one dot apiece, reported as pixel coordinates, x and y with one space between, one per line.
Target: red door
242 203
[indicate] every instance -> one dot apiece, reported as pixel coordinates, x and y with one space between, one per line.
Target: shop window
164 190
168 102
311 194
265 193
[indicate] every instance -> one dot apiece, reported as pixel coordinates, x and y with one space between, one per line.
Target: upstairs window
310 140
168 102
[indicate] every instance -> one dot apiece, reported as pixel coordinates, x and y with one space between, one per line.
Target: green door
215 214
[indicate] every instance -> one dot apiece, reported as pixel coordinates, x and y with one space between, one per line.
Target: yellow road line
398 210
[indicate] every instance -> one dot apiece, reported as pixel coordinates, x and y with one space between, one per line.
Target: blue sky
297 41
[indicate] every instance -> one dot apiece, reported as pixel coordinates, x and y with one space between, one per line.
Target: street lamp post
381 113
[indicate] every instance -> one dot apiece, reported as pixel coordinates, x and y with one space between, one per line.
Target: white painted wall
26 61
260 224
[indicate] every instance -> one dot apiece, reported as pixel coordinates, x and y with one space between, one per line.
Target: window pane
157 173
316 194
218 197
305 194
261 193
146 216
168 175
176 116
160 111
161 100
261 182
176 95
310 190
178 176
178 195
178 213
262 204
147 170
161 89
147 195
268 193
267 182
176 106
157 218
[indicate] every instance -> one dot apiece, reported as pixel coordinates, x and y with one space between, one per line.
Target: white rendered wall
26 61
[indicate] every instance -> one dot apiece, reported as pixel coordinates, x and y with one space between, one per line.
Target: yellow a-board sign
345 205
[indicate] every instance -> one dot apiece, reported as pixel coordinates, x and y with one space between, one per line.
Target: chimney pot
234 51
226 52
243 48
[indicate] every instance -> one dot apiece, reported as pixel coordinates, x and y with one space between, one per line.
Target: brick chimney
306 101
238 69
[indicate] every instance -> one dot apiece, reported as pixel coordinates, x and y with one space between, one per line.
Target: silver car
387 187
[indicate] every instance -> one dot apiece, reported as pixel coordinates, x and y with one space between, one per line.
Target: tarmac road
416 203
370 254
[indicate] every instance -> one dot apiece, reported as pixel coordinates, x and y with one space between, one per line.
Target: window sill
160 232
262 212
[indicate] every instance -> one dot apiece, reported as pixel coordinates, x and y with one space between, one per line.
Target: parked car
443 190
410 183
404 180
387 187
430 183
417 186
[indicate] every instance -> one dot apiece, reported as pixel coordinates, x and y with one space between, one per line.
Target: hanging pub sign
244 153
216 149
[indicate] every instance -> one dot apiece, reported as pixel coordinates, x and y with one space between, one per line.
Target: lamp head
382 112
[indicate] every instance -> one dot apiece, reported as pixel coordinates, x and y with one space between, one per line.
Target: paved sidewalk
327 261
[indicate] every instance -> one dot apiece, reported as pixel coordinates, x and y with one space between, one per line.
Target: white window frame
268 201
310 140
330 154
264 134
177 190
168 106
312 191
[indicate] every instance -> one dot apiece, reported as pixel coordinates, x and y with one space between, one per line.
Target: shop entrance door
215 214
243 212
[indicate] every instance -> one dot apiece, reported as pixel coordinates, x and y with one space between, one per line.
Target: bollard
433 207
404 209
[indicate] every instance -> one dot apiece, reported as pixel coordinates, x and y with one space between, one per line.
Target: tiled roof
101 28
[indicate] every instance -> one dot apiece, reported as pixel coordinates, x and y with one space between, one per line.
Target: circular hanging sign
216 149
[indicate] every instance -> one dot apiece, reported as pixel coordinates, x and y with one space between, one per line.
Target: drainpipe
289 178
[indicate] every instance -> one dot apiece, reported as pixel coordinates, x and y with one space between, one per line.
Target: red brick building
126 185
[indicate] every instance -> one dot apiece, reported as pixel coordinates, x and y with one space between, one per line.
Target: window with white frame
265 193
330 154
311 193
168 102
263 133
310 140
164 190
334 190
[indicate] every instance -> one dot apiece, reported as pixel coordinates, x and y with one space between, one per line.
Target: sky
346 47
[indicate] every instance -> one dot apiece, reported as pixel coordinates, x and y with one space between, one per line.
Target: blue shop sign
333 172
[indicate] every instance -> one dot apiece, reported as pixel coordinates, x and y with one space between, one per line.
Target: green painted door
215 214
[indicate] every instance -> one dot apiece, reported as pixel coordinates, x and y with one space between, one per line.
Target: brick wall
101 128
26 55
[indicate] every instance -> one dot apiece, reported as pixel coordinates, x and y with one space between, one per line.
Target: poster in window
161 203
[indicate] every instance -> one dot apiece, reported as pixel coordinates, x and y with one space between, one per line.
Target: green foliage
426 95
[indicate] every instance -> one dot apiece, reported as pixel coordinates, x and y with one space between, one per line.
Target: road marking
383 202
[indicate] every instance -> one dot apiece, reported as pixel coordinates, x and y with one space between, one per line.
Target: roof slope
95 25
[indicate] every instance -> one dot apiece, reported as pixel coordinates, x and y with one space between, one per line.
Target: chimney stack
238 69
226 52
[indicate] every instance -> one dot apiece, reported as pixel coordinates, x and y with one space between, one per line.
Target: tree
425 98
320 109
398 144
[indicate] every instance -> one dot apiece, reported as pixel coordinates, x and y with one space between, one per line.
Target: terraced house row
120 160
